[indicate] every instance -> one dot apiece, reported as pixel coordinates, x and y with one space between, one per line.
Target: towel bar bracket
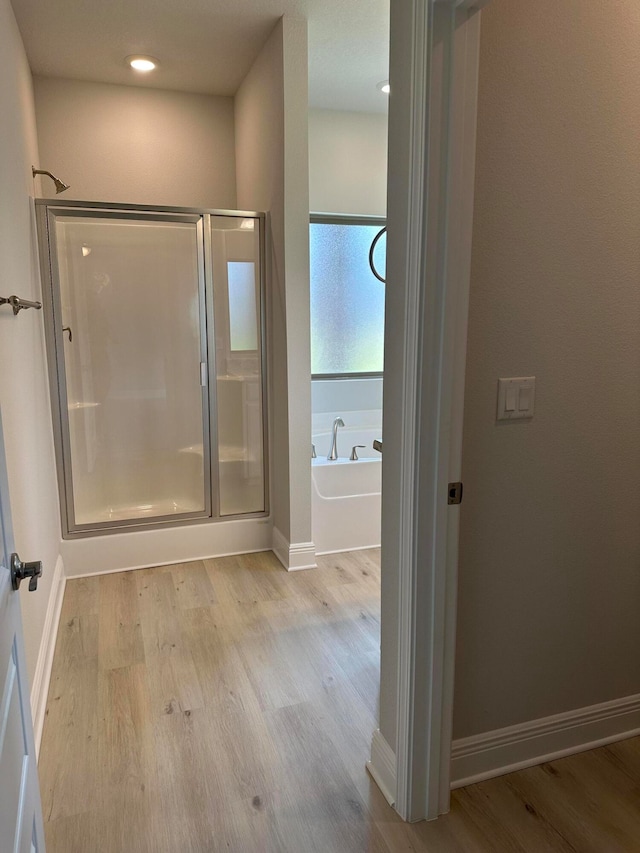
18 304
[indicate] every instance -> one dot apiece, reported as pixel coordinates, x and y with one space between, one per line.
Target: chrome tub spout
333 453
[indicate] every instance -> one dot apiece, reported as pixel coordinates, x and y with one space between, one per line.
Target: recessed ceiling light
384 87
142 63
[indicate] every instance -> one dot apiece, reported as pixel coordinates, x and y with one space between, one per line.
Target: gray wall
135 145
550 540
24 395
348 162
272 174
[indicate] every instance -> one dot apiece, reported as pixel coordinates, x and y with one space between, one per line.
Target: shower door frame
46 212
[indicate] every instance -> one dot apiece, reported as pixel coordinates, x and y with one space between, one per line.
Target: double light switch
516 397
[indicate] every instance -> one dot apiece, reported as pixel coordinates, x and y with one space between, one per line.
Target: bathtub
346 496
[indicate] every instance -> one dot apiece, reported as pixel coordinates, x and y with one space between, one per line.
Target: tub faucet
333 453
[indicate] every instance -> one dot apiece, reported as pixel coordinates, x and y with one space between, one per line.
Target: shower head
60 185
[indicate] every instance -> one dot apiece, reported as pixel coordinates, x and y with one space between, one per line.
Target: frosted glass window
347 300
243 323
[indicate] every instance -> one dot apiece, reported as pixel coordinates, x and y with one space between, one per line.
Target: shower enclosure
154 322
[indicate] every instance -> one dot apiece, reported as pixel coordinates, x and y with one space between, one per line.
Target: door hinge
455 493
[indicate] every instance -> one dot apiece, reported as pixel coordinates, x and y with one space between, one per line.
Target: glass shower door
239 359
130 332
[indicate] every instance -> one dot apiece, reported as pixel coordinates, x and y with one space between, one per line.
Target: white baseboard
42 676
293 556
157 564
347 550
495 753
382 766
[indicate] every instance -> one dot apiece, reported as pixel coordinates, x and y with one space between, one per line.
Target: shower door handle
204 374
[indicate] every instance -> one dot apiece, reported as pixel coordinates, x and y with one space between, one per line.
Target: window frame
345 219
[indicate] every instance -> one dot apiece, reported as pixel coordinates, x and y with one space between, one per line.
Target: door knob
21 571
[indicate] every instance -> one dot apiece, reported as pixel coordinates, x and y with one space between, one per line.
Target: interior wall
136 145
356 395
271 131
348 162
357 401
550 541
24 395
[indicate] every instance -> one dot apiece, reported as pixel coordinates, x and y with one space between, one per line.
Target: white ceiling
209 45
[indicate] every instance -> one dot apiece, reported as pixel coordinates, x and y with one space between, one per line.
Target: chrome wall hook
18 304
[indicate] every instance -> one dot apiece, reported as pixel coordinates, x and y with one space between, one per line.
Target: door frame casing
432 121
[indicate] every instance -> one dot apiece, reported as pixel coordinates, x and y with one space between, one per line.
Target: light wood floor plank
192 585
221 676
70 768
226 705
170 670
120 634
127 760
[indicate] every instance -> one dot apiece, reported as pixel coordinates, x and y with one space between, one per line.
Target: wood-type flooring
226 705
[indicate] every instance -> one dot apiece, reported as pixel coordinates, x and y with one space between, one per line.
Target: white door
21 828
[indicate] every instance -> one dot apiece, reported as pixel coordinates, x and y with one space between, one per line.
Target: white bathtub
346 500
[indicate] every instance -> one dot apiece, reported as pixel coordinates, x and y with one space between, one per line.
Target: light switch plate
516 398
